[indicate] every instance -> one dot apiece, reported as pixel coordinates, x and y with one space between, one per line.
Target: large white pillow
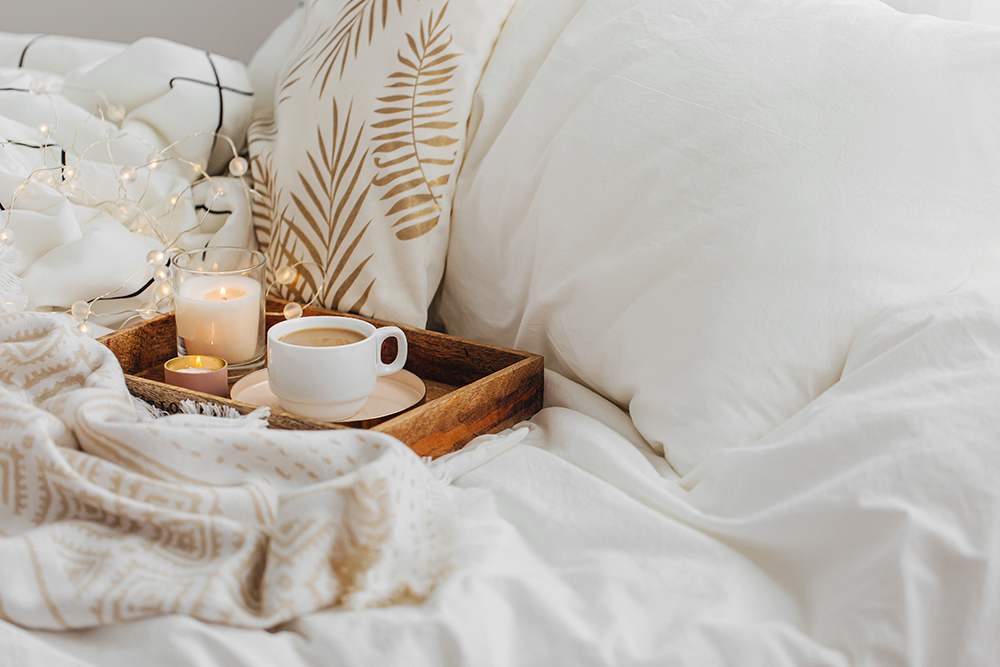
693 207
356 144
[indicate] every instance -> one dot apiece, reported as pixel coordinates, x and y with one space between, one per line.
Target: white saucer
393 393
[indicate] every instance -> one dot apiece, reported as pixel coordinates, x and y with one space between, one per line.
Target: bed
755 241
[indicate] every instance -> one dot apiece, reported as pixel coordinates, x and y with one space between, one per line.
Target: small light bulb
155 160
156 257
7 236
238 166
116 112
125 211
37 87
85 329
43 128
70 174
292 311
174 199
220 189
162 273
162 290
127 173
147 313
42 177
286 275
80 310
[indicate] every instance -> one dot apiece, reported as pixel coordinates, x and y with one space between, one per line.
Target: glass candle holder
219 306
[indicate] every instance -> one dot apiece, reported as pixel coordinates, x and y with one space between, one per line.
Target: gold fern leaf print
326 208
357 19
415 149
264 204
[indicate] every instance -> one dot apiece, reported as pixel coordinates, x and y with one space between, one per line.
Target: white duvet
863 531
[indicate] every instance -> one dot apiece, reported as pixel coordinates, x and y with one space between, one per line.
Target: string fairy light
128 209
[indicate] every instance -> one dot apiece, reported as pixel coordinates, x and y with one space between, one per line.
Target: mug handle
381 334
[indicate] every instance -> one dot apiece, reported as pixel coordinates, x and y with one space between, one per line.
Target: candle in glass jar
219 316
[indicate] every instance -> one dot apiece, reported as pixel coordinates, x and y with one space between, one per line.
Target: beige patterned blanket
105 517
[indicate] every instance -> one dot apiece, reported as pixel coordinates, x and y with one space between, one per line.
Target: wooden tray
472 388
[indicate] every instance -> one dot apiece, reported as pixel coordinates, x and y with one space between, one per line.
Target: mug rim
293 325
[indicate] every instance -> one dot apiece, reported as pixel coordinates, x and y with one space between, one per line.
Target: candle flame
222 293
197 362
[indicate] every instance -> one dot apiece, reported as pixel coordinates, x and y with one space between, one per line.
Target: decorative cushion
694 207
357 154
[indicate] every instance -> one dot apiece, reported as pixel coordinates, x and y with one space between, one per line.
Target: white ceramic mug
328 383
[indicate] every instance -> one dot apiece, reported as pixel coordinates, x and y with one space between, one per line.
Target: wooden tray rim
527 365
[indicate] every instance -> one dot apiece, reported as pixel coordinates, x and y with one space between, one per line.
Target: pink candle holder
199 373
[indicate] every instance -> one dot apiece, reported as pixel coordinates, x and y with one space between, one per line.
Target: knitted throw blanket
105 517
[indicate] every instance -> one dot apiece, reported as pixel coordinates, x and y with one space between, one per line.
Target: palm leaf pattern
327 230
270 225
333 45
265 196
415 136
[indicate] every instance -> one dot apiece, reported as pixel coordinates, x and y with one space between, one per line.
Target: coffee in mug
324 367
323 337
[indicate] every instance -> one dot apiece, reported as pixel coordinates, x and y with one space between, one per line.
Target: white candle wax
219 316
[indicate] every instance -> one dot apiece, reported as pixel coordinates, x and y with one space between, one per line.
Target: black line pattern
139 291
24 144
222 103
220 89
228 89
202 207
24 51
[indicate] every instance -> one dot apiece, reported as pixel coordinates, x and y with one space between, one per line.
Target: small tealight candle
199 373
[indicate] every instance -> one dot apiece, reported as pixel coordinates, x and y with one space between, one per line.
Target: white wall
233 28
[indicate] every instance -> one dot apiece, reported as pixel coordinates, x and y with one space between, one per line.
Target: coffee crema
322 337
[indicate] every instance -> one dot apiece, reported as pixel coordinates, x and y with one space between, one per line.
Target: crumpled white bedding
108 152
863 531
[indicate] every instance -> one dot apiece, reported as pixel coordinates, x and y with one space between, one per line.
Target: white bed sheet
864 531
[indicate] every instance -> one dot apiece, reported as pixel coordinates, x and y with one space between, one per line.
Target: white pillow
356 150
694 207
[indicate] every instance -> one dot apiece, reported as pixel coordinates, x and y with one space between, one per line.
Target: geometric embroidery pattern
219 519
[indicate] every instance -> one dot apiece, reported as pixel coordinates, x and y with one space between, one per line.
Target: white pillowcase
694 207
357 142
